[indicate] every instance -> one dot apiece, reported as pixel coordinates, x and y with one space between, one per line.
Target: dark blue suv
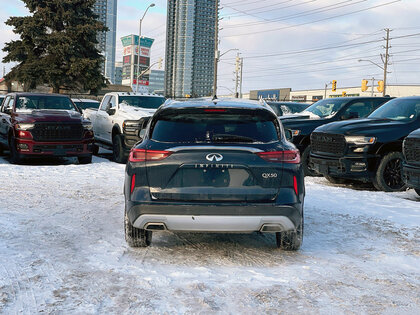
214 166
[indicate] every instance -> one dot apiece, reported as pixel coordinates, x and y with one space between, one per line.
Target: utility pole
216 48
240 84
386 59
237 75
325 90
373 84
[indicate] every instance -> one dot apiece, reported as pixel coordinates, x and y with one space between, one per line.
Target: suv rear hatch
214 155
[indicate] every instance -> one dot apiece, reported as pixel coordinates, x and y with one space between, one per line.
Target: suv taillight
290 156
141 155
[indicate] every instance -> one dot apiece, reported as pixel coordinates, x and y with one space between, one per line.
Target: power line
311 22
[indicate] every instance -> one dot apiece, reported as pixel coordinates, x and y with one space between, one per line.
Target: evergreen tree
57 46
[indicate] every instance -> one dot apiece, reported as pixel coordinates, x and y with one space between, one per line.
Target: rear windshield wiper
221 137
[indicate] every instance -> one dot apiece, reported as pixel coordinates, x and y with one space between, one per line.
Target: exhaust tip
271 228
155 227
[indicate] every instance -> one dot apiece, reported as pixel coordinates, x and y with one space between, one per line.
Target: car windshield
151 102
325 108
286 108
215 129
398 109
48 102
87 104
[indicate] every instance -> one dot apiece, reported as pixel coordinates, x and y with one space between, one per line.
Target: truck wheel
305 162
95 149
118 150
15 157
335 180
136 237
85 159
290 240
388 176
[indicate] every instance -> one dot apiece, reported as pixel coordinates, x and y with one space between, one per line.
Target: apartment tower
190 49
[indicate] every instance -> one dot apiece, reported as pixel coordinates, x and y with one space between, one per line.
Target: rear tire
15 157
85 159
388 176
118 150
136 237
305 162
335 180
290 240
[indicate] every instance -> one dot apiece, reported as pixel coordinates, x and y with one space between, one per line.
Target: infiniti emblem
214 157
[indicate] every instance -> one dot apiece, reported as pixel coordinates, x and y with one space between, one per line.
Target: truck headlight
130 126
360 140
25 126
295 132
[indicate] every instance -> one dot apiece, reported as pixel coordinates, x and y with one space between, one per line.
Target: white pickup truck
119 119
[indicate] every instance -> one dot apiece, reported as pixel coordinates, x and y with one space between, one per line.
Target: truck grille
412 149
57 132
328 143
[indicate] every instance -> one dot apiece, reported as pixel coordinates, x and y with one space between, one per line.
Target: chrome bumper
210 223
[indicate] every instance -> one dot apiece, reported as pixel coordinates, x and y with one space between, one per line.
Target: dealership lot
62 249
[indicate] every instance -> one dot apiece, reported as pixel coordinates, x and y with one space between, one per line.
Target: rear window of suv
208 128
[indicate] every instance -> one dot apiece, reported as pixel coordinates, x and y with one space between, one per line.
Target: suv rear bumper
217 217
349 167
246 224
411 175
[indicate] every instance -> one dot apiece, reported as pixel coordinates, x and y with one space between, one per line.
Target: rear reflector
141 155
133 182
295 185
291 156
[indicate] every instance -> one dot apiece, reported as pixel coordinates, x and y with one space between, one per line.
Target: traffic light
380 86
364 85
343 94
334 85
160 63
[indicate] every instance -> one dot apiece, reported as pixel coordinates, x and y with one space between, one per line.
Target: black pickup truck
324 112
370 149
411 164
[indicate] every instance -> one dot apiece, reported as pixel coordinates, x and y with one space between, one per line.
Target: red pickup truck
36 125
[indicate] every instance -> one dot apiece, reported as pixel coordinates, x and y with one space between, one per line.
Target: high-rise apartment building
107 12
189 65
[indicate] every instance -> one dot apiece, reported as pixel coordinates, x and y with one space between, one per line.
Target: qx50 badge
214 157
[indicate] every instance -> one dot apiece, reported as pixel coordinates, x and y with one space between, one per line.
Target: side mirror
288 134
110 111
8 111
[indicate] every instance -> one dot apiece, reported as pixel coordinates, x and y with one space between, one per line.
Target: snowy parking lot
62 250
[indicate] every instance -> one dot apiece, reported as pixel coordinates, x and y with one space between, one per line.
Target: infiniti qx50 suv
214 166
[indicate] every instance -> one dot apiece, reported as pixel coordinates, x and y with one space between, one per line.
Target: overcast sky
301 44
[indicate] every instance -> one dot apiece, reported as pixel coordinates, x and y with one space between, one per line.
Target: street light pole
138 47
216 48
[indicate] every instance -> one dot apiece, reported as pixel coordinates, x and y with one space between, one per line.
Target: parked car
120 117
83 104
411 164
285 108
35 125
367 149
324 112
214 166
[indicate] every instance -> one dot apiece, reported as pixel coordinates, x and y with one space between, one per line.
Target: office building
107 12
190 50
157 81
118 73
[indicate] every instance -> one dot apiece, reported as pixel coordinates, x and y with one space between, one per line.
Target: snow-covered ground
62 250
